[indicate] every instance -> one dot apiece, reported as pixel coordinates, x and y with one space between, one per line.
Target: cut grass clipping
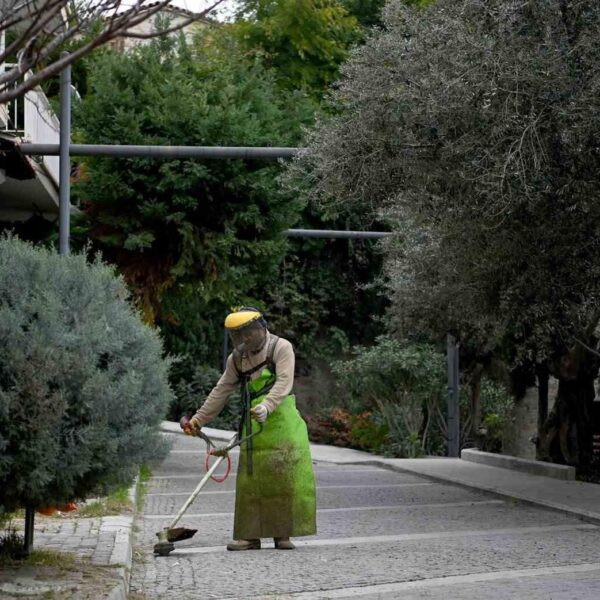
145 474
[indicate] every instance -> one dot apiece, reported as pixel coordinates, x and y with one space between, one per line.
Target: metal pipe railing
168 152
336 233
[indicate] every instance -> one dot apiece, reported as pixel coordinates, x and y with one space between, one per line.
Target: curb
122 554
533 467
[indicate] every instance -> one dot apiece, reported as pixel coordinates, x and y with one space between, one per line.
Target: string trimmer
171 534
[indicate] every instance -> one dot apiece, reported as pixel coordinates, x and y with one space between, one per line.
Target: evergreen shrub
191 393
83 382
402 385
497 418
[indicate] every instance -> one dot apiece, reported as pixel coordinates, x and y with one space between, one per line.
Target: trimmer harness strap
248 395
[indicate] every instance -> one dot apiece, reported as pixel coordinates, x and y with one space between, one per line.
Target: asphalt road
381 535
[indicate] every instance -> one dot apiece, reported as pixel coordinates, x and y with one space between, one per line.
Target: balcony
28 185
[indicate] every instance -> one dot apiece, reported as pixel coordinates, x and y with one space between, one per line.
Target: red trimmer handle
184 423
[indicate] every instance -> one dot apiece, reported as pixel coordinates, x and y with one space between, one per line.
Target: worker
275 487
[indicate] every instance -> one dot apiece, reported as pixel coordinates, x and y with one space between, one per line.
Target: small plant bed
116 503
48 573
54 575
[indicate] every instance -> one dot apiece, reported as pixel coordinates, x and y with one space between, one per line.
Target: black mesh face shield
249 338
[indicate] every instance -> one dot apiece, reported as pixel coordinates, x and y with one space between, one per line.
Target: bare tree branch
29 35
41 33
19 16
39 21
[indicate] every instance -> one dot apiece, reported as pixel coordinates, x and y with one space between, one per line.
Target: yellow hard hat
241 318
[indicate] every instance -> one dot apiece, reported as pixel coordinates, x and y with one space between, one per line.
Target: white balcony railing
12 115
31 118
42 127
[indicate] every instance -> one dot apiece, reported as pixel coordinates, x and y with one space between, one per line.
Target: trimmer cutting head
163 548
179 534
166 537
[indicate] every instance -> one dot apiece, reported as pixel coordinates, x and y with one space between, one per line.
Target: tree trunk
567 434
29 528
476 400
542 376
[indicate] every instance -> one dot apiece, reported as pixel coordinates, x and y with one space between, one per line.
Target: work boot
244 545
283 544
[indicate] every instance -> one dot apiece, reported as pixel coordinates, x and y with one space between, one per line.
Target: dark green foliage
496 408
475 126
191 389
83 385
193 330
319 300
11 546
214 224
495 414
326 298
395 397
367 12
193 237
404 386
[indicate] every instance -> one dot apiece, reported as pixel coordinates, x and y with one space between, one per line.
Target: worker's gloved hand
191 427
260 413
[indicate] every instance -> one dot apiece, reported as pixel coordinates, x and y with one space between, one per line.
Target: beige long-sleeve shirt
284 360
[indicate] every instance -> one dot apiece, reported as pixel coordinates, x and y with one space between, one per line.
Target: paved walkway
372 511
384 531
574 497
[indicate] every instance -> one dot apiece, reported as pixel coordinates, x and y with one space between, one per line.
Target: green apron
277 499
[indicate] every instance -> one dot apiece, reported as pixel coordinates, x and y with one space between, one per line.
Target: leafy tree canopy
187 220
193 237
305 41
474 127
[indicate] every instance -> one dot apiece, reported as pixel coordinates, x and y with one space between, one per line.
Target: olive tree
472 126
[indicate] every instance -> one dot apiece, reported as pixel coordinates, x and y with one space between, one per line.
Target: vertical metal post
453 420
29 524
64 185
